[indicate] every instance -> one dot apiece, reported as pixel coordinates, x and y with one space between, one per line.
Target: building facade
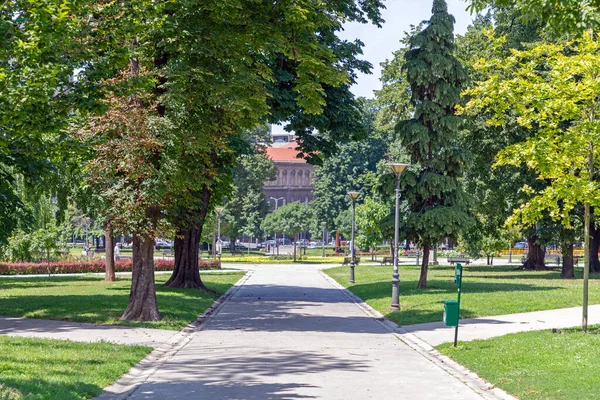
293 177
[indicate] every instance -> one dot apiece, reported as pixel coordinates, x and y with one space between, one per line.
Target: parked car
302 242
284 241
521 245
162 244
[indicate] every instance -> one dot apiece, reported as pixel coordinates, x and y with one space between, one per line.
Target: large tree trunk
232 242
185 274
295 238
187 241
424 266
594 245
535 255
109 244
567 270
142 297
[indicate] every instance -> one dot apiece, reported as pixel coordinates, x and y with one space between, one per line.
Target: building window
306 200
292 178
300 182
284 183
277 177
307 178
291 199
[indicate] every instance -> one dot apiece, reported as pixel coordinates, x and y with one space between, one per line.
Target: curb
142 371
480 386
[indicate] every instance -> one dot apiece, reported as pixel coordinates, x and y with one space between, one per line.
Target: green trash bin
451 312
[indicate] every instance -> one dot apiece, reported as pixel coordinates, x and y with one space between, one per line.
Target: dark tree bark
109 269
232 241
185 274
295 240
424 267
142 297
187 242
535 255
567 270
594 245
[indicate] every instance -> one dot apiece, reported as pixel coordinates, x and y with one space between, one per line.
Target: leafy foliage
437 205
368 217
563 16
556 92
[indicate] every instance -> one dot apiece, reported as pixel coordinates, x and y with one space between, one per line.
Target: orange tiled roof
288 154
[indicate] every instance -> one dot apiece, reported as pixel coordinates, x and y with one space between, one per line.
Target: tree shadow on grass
382 290
43 389
417 316
177 307
45 282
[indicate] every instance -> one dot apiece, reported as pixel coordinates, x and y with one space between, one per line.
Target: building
294 176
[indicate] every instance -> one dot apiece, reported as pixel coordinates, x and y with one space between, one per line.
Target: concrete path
80 332
288 333
436 333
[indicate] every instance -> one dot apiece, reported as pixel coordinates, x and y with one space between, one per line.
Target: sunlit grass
536 365
90 299
56 369
487 291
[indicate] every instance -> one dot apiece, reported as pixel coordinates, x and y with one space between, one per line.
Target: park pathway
289 333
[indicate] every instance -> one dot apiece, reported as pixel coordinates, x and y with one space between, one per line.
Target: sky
380 43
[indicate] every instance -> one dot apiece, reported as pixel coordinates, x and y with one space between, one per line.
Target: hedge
69 267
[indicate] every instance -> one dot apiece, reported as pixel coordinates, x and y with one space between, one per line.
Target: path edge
482 387
139 374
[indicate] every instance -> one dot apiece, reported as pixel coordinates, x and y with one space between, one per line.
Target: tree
342 171
38 55
566 16
245 205
557 88
291 220
368 217
496 190
258 63
436 201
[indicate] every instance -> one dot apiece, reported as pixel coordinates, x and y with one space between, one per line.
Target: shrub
70 267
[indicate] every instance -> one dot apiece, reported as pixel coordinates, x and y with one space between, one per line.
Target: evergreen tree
436 202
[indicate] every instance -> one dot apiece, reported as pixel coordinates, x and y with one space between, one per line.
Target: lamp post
323 224
398 169
276 200
219 211
353 196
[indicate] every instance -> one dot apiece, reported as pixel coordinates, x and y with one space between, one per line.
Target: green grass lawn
487 291
90 299
536 365
58 369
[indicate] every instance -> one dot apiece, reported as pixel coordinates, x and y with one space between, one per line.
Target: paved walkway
436 333
80 332
288 333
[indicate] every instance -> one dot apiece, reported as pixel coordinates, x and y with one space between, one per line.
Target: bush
71 267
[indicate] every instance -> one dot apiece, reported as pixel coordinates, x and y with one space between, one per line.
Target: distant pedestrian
117 251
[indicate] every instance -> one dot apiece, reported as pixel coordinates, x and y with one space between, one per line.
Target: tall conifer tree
435 199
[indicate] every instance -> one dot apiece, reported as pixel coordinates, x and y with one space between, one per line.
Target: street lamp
353 196
276 200
323 224
398 169
219 211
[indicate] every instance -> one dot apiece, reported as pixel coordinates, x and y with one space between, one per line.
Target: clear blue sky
380 43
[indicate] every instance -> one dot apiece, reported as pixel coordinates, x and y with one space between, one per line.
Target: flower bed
70 267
